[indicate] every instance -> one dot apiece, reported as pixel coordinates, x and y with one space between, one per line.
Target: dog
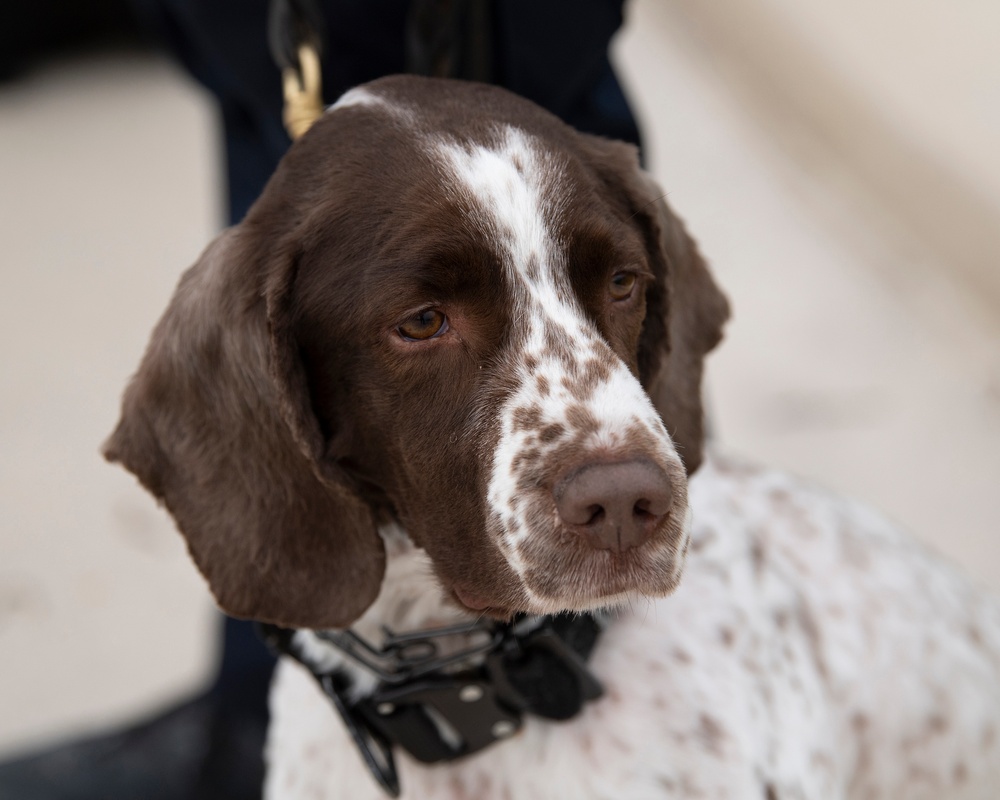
448 372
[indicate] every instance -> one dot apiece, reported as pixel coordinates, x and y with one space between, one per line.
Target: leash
441 702
294 37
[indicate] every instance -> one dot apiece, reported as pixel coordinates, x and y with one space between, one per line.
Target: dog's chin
582 581
627 599
558 579
614 597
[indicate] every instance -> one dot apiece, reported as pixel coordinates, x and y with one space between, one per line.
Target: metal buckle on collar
443 707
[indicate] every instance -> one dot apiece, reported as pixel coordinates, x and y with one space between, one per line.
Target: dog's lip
479 605
470 600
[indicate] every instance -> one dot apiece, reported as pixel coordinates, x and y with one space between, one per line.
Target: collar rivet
502 729
470 693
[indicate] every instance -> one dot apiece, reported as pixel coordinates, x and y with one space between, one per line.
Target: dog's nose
614 506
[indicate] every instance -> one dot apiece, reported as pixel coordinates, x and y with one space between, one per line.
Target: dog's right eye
423 325
622 284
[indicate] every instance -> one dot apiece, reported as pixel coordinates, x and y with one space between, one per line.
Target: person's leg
556 54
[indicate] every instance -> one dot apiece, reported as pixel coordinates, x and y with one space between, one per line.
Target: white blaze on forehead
518 191
508 184
521 189
358 96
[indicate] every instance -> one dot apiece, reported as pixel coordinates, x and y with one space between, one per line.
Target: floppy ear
218 425
685 311
684 320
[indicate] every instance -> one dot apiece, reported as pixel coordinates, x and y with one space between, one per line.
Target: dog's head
448 309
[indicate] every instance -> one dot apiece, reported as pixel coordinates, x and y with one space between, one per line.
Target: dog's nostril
596 514
641 509
613 506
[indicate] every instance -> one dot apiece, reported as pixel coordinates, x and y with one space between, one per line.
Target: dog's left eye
423 325
622 285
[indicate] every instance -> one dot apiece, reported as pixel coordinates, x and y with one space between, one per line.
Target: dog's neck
411 596
411 599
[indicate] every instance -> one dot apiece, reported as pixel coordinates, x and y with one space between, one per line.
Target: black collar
443 707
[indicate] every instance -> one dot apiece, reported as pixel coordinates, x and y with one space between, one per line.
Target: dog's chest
792 662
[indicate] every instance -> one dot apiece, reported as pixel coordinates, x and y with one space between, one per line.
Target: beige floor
854 357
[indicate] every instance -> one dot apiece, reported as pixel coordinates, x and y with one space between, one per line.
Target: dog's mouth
549 564
563 570
578 582
478 605
606 582
471 600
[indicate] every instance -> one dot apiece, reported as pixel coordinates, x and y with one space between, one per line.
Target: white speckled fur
811 651
517 188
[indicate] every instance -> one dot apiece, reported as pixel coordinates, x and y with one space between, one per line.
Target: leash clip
303 89
295 38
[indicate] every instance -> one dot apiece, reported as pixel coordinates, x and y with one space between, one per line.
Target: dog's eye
423 325
622 284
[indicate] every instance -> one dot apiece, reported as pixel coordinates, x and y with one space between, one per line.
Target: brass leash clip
295 37
303 89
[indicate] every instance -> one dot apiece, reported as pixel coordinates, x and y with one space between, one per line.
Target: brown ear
685 311
216 424
673 353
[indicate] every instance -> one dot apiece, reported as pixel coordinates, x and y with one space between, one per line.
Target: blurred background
837 162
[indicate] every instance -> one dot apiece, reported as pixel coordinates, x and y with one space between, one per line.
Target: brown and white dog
449 366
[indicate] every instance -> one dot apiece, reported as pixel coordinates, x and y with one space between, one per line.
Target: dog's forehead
506 166
504 151
468 112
